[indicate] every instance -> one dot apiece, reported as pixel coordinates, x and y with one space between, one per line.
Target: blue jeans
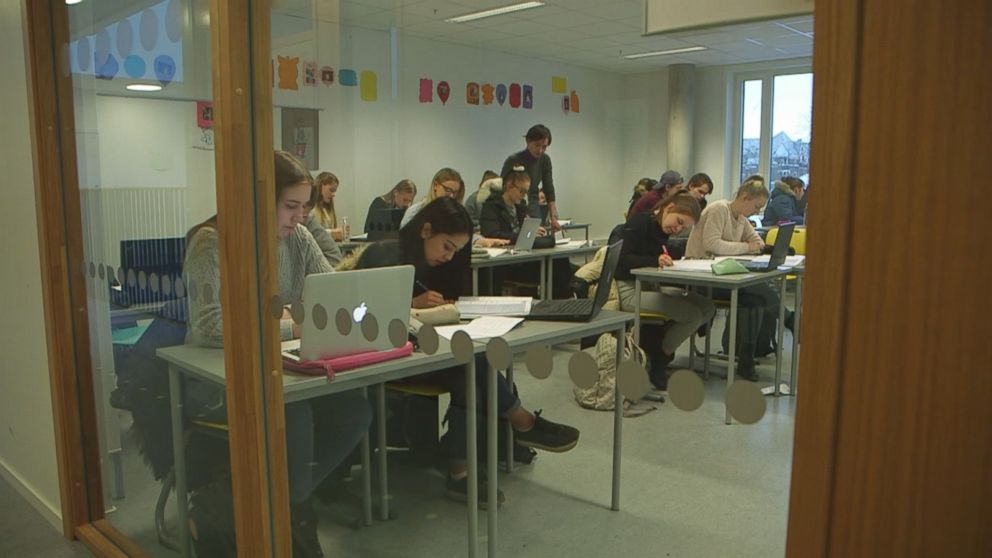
320 433
506 402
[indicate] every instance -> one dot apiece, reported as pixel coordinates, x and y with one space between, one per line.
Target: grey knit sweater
297 256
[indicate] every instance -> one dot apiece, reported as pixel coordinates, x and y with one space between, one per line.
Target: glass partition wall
175 356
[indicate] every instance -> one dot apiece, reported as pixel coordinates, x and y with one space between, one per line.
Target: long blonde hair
405 186
325 209
445 175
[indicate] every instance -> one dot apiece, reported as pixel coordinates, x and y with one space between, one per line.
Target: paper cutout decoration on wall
125 38
443 91
369 87
515 95
348 78
108 69
83 53
102 50
174 21
134 66
148 29
165 69
288 72
559 84
565 104
575 101
487 93
426 90
528 97
205 114
501 94
327 75
310 74
472 93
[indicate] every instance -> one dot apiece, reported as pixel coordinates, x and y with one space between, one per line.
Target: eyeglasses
450 192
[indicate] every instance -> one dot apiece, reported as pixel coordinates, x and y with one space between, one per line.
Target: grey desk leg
509 428
731 358
492 442
179 458
367 465
637 310
617 425
795 334
709 335
781 336
586 229
475 281
383 451
545 278
472 460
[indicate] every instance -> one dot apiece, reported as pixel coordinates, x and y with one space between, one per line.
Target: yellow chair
797 243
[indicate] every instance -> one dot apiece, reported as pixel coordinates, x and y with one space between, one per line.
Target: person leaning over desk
724 230
320 432
645 237
537 164
436 244
399 197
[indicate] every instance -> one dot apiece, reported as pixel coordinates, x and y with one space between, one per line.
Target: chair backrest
797 243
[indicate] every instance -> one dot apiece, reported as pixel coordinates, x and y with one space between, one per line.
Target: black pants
757 315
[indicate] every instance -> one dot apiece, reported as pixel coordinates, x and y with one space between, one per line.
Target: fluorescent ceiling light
71 2
143 87
663 52
494 12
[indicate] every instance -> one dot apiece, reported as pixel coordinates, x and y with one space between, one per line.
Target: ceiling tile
616 10
604 28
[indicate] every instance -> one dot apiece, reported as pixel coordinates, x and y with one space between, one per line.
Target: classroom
491 277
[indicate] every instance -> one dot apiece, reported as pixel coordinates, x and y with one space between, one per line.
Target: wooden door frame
243 132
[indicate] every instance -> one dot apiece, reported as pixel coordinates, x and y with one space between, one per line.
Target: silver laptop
383 293
527 235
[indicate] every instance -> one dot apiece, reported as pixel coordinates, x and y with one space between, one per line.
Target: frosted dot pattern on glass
686 390
148 29
296 312
397 333
461 347
540 362
583 370
499 354
319 316
370 327
428 339
342 319
745 402
632 380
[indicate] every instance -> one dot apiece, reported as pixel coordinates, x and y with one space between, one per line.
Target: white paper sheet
481 328
474 306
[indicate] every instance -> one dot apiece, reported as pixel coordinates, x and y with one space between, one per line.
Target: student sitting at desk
724 230
320 432
327 188
644 245
473 202
323 238
670 180
502 216
700 185
435 243
400 197
447 183
642 187
786 202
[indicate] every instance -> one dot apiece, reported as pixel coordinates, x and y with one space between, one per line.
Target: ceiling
590 33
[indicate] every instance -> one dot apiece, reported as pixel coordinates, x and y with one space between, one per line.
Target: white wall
372 145
27 435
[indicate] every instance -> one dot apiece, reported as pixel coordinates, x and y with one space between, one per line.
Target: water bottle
347 229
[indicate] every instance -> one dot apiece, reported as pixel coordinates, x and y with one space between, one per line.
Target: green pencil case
728 266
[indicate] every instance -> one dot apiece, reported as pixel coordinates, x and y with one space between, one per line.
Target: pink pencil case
331 366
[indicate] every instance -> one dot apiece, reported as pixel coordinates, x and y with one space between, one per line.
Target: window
773 116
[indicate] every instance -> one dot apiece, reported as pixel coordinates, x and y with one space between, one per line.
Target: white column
681 117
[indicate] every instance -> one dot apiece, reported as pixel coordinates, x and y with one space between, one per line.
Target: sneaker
304 531
456 489
548 436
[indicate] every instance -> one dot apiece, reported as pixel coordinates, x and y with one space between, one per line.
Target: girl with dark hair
645 237
320 432
436 243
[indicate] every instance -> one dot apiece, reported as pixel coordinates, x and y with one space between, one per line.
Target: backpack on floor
601 395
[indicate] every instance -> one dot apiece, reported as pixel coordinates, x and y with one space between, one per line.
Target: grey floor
692 486
24 532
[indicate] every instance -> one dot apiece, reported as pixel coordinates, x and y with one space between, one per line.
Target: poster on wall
301 134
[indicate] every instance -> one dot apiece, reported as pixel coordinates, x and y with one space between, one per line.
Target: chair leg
165 538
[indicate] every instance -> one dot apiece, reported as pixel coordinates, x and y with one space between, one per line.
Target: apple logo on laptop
358 314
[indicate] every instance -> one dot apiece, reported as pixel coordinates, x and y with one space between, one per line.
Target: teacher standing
537 165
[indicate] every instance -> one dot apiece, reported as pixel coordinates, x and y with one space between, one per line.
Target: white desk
543 255
207 364
733 283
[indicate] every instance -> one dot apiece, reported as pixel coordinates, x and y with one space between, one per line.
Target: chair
414 393
797 243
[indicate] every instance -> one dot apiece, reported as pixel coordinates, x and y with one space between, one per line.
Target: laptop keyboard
570 306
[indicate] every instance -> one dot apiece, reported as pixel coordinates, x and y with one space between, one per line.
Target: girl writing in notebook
645 239
436 244
320 432
327 188
399 197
